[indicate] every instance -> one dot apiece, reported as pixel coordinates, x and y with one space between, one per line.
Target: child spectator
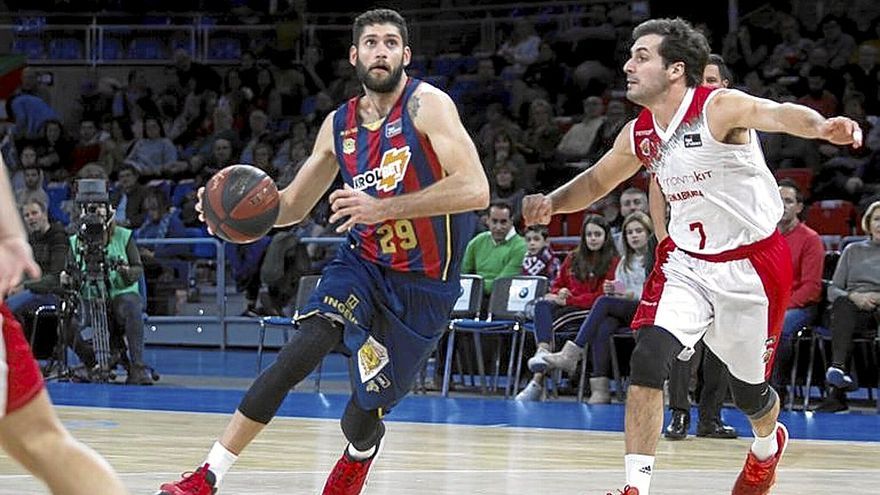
540 260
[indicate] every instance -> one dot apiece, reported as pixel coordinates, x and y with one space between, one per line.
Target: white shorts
735 301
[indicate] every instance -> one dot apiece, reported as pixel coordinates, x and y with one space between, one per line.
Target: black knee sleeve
652 358
363 429
315 337
755 400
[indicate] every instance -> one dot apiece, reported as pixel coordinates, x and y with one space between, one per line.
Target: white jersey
721 196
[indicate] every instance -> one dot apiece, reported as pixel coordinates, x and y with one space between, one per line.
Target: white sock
638 471
220 460
360 455
765 447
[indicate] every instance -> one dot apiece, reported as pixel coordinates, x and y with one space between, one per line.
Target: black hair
798 194
125 126
586 264
681 43
501 204
539 229
379 16
723 69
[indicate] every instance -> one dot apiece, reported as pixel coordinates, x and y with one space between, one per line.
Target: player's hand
358 206
200 196
537 209
841 130
15 258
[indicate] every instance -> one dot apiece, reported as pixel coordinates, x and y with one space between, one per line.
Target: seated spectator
129 199
497 122
613 311
32 179
632 200
540 260
160 222
53 150
29 113
259 133
116 150
286 260
263 159
49 244
839 45
855 308
580 282
818 97
539 141
245 261
505 188
222 156
202 77
489 91
87 149
615 118
153 154
578 141
497 252
808 258
266 95
521 50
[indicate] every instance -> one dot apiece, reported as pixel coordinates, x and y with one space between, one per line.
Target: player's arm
657 209
312 180
464 187
732 109
15 251
617 165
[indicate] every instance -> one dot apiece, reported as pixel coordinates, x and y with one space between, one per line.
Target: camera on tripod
93 227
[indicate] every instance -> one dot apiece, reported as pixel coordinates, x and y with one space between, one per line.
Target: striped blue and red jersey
391 159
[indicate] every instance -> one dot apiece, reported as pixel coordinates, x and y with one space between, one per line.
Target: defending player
410 172
723 274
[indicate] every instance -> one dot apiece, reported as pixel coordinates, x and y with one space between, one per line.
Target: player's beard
378 85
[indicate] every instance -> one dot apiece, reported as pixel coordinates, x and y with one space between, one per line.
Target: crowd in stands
542 107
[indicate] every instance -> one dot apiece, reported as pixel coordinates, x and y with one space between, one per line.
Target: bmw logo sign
523 292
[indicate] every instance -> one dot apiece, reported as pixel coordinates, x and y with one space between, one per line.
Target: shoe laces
191 480
757 472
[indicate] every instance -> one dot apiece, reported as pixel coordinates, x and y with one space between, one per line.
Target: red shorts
20 377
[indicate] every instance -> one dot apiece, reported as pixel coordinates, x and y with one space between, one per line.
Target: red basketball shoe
349 475
627 490
200 482
757 477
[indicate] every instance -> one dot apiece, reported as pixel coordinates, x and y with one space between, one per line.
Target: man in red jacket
808 258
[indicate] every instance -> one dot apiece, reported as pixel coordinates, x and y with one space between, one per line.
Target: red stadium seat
556 227
834 217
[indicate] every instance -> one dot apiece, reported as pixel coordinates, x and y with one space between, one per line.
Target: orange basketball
240 203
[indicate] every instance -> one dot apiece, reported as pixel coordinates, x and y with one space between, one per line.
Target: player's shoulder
431 97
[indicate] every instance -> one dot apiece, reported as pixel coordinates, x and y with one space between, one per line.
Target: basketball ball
240 203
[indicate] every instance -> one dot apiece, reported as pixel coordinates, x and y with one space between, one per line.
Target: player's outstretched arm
617 165
312 180
733 109
463 188
15 251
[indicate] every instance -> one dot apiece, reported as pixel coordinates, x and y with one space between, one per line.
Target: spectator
745 50
193 74
160 222
615 118
49 245
580 282
808 258
116 150
30 85
839 45
540 140
863 74
154 154
540 260
497 252
521 50
247 70
316 69
488 91
221 157
32 178
29 113
504 152
263 159
298 136
505 188
245 261
819 98
233 98
546 75
613 311
259 132
855 307
139 97
497 122
266 96
578 141
791 52
632 200
53 150
130 198
87 149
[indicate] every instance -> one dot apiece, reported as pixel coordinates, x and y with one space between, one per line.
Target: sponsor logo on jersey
378 384
644 132
768 349
692 141
348 146
393 128
348 132
647 147
389 173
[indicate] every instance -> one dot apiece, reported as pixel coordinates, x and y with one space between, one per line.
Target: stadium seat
307 285
446 65
224 49
111 49
146 49
32 48
65 49
181 189
832 217
803 177
438 81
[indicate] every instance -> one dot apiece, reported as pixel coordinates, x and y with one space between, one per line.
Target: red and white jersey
721 196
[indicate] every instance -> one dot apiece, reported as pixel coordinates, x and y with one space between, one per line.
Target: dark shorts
393 322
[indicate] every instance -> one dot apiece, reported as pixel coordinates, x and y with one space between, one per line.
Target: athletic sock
638 471
220 461
765 447
361 455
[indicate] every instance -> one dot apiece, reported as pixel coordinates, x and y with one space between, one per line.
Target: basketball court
435 445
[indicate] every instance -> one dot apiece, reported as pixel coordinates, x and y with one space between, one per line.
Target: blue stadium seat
163 185
201 250
146 49
468 64
438 81
224 49
65 49
32 48
182 188
58 192
112 49
417 66
446 65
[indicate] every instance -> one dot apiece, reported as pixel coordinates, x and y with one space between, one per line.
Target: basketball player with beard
412 175
723 274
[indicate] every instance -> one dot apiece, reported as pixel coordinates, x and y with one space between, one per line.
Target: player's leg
314 339
35 437
364 430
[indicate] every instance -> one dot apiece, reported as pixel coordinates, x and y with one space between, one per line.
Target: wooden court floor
293 456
